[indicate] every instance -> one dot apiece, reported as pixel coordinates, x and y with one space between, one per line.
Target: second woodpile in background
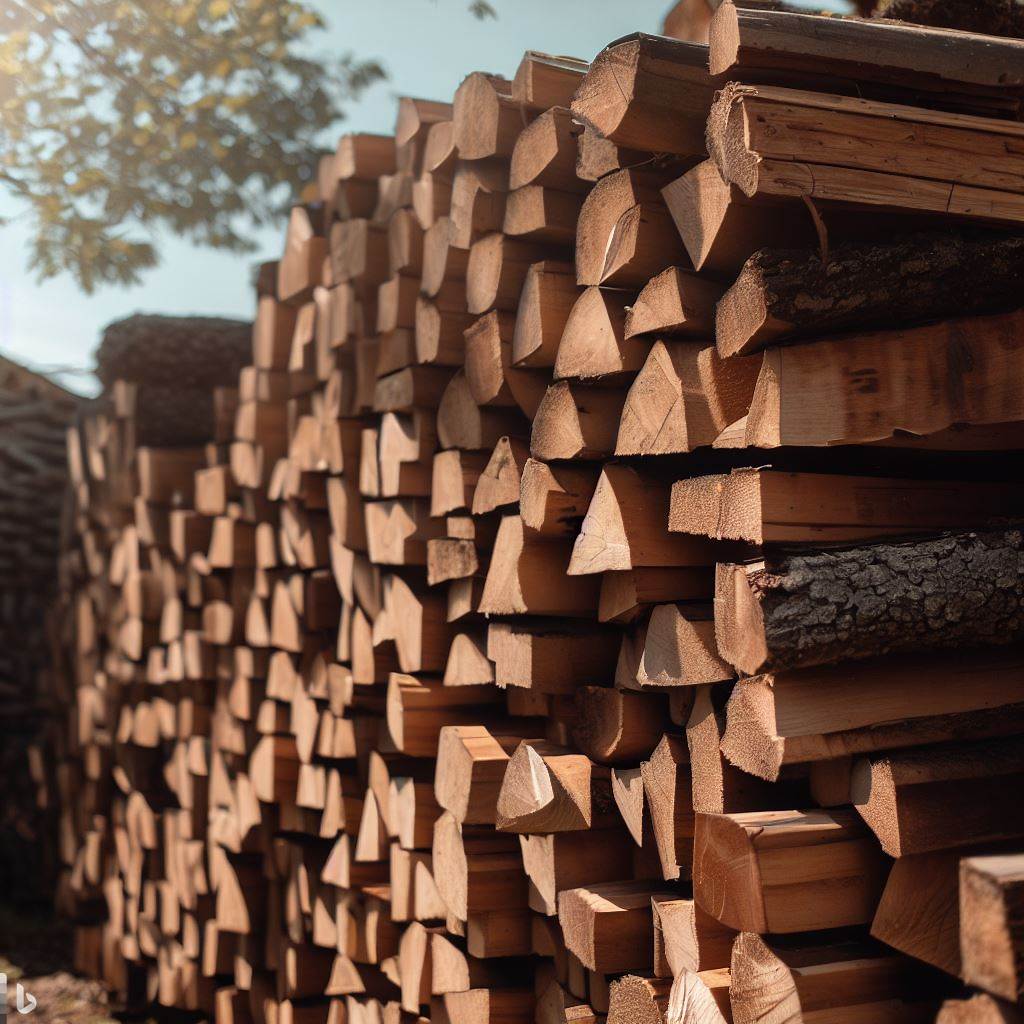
601 598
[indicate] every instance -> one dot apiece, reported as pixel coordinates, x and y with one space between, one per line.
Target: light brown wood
676 301
744 863
807 715
593 342
666 410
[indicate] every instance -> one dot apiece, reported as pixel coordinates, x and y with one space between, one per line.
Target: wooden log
955 795
627 595
904 181
593 343
488 359
471 766
497 268
687 938
918 913
624 527
418 709
615 726
667 785
679 649
550 789
721 227
540 214
576 421
666 410
478 196
498 485
852 981
676 301
608 926
990 924
554 499
547 300
940 274
487 119
453 480
891 613
787 375
763 506
527 577
634 195
980 72
979 1009
807 715
550 658
648 93
463 424
545 153
477 870
544 80
566 860
744 865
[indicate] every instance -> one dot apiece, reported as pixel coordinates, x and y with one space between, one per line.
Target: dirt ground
36 950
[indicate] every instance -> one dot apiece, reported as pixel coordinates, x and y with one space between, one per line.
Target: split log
800 396
540 214
627 595
566 860
991 937
721 227
852 981
648 93
625 527
918 913
497 269
687 938
666 411
667 786
931 799
808 715
593 342
980 73
498 485
974 599
527 577
926 175
764 506
612 198
554 659
576 421
547 300
760 871
544 80
545 153
679 648
554 499
550 789
608 927
676 301
487 119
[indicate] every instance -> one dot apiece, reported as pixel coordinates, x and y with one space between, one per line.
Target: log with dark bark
797 608
992 17
792 293
191 351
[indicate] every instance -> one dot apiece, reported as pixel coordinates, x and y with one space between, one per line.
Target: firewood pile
34 414
600 596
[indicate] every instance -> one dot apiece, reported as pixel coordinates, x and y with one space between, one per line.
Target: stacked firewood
601 595
34 413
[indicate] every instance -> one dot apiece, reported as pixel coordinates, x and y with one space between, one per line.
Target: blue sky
428 46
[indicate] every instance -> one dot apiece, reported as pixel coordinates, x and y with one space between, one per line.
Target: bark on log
792 293
798 609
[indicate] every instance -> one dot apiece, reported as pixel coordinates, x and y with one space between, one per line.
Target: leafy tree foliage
121 116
